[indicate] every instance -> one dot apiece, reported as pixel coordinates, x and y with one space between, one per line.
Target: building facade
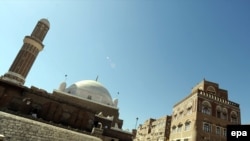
154 130
204 114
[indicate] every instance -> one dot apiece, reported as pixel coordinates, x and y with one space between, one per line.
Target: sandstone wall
16 128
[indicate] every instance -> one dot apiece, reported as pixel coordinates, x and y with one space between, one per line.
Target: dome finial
45 21
96 78
65 79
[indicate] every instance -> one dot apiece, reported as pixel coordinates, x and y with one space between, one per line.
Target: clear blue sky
150 51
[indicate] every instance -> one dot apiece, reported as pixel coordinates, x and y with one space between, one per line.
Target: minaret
25 58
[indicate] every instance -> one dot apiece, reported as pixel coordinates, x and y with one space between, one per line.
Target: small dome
92 90
45 21
62 86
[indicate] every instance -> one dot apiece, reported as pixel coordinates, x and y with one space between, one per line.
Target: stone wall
58 107
15 128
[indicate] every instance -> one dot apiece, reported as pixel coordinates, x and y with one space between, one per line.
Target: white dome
45 21
92 90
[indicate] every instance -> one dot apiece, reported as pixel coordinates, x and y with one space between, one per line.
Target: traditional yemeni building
84 111
204 114
154 130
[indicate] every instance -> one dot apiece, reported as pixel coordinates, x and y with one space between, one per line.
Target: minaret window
41 31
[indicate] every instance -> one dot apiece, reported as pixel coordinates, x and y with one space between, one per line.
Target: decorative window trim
218 130
207 127
218 112
211 89
187 125
233 117
206 108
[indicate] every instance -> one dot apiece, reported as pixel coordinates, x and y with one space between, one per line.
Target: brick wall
16 128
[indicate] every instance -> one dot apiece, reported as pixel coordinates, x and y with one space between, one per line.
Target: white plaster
33 42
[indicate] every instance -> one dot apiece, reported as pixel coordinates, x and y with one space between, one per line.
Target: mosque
83 111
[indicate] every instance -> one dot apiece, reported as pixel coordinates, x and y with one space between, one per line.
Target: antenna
136 122
96 78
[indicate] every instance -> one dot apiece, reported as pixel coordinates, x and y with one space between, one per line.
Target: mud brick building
204 114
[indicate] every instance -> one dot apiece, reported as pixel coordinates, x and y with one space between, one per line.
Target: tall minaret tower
24 60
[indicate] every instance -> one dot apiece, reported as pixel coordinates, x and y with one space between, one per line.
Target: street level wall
15 128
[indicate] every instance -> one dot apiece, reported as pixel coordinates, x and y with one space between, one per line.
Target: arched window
218 130
234 118
211 90
181 114
174 129
218 112
189 108
175 116
206 108
224 113
207 127
179 127
187 125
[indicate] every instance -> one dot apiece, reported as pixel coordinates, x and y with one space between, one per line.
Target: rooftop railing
219 99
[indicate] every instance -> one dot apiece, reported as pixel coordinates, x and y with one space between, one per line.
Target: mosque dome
45 21
91 90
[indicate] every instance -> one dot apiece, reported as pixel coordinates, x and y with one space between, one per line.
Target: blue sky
150 51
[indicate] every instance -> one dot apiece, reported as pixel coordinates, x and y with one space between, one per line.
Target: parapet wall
15 128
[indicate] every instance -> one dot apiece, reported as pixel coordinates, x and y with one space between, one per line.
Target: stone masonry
15 128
